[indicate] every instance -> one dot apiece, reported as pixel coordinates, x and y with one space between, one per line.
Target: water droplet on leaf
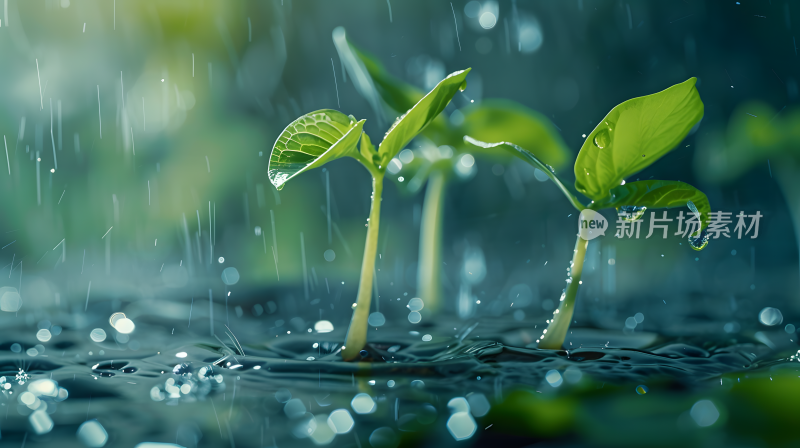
631 212
699 242
602 138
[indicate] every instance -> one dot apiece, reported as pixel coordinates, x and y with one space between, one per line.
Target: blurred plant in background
441 153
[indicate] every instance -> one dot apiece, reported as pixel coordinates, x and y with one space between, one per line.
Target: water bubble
376 319
43 335
41 422
641 389
283 395
340 421
323 434
487 20
458 404
639 317
572 375
329 255
414 317
390 383
363 404
427 338
395 165
16 348
406 156
323 326
540 175
363 353
43 388
631 212
770 316
602 138
530 36
125 326
553 377
461 425
418 384
416 304
789 328
472 9
305 426
704 413
27 398
630 322
98 335
478 404
294 408
115 318
10 301
699 242
258 230
92 434
230 276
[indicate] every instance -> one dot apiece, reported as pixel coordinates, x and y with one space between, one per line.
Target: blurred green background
191 95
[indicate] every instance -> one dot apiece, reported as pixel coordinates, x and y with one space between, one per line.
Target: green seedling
442 155
632 136
757 136
325 135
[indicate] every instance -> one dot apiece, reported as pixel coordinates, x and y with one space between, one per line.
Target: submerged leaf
412 122
505 120
657 194
311 141
635 134
528 156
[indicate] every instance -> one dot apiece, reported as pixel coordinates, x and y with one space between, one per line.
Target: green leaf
656 194
528 156
506 120
371 77
311 141
635 134
354 63
412 122
397 94
754 135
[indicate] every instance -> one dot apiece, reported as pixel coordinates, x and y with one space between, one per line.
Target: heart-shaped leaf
496 120
311 141
412 122
635 134
657 194
528 156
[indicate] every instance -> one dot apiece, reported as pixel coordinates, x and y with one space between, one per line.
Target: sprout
613 151
325 135
443 155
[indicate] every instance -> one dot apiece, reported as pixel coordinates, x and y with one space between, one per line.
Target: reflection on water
454 383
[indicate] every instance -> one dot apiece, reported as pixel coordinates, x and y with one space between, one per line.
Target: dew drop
631 212
699 242
602 138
